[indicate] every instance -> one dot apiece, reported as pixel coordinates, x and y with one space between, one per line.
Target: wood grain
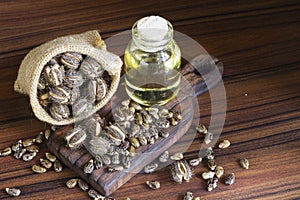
258 42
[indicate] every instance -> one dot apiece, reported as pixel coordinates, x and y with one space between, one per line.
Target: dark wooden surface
258 42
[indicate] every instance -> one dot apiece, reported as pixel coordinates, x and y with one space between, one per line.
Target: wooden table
258 42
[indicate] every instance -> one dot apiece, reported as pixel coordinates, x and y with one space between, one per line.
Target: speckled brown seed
57 166
219 171
153 184
83 185
38 169
244 163
224 144
229 179
201 129
71 183
6 151
177 156
50 156
13 191
46 163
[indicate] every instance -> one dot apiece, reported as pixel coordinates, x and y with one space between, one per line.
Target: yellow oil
153 78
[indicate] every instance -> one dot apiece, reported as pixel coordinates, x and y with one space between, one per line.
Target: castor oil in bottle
152 62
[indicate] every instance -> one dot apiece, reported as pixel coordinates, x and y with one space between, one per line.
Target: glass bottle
152 62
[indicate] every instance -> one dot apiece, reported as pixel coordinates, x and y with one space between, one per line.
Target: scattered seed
163 123
208 175
197 198
212 184
18 154
46 163
124 145
6 151
134 142
131 150
164 157
47 134
195 162
229 179
224 144
143 140
138 118
98 162
113 168
57 166
212 164
164 134
244 163
153 112
188 196
209 153
174 122
50 156
83 185
29 156
28 142
164 113
208 138
39 138
171 115
219 171
150 168
146 117
95 195
75 138
13 191
177 156
201 129
135 105
177 115
181 171
152 140
176 177
210 188
71 183
38 169
33 148
17 146
89 167
153 184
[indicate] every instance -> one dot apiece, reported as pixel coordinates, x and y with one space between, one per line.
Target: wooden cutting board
107 182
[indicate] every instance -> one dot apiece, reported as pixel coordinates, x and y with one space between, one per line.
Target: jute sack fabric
88 43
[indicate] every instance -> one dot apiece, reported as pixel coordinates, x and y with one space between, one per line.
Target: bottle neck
152 39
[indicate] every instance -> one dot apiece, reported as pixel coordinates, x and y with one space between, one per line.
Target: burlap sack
88 43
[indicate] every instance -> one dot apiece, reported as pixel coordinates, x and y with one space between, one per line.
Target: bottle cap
152 28
153 32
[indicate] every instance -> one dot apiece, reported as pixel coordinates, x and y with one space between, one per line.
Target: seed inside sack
63 83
